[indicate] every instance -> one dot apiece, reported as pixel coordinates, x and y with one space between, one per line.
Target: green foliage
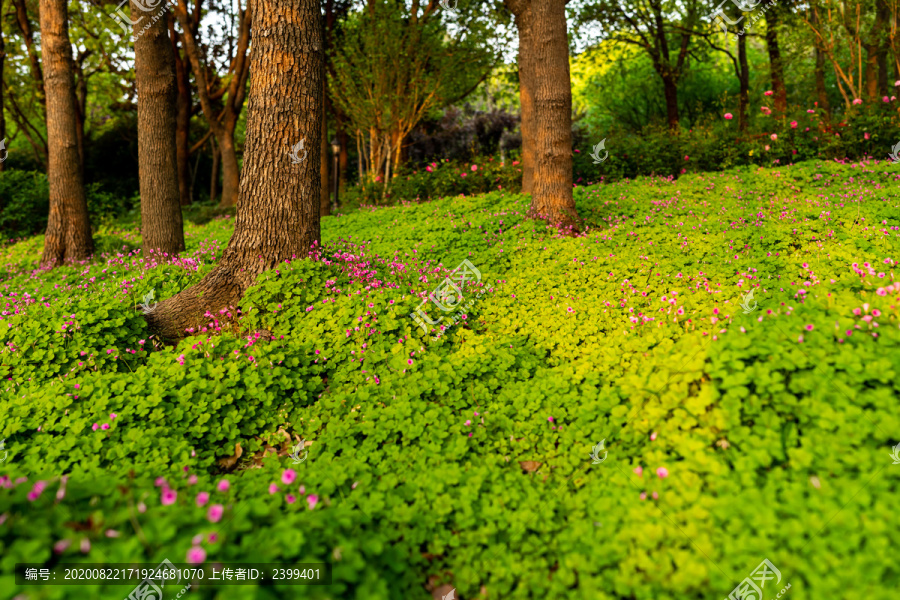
465 460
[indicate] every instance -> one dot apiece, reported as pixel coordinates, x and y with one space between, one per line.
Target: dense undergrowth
732 436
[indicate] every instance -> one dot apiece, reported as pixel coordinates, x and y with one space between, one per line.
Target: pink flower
223 485
468 422
409 361
639 471
112 416
686 157
273 487
428 169
105 426
885 99
793 124
160 481
202 498
866 135
662 472
215 512
95 426
288 477
768 93
474 167
290 498
196 555
169 496
811 111
312 500
85 546
767 147
61 546
774 137
653 435
809 327
212 538
643 495
192 480
729 116
857 101
462 174
655 496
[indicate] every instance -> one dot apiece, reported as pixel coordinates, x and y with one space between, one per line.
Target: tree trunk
775 64
154 66
278 208
231 172
744 98
670 91
526 102
182 122
544 43
68 226
214 177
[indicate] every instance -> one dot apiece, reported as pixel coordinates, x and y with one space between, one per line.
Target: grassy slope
775 447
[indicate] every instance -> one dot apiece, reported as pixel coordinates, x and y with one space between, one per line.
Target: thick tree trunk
744 75
544 42
154 66
871 70
68 226
278 208
776 66
182 122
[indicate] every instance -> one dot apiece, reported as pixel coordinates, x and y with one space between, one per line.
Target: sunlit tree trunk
68 226
154 67
744 76
278 209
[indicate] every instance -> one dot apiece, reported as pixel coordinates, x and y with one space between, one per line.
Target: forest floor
704 380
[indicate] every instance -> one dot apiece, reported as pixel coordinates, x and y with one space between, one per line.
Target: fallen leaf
230 461
529 466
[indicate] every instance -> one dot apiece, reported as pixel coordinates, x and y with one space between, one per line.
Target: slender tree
68 226
2 65
222 122
154 65
278 208
544 41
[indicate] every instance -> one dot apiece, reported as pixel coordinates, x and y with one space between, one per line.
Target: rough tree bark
278 208
154 65
776 65
2 112
819 51
544 42
68 226
325 196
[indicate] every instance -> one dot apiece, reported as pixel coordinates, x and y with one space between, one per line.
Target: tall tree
662 28
154 65
68 226
278 209
2 65
231 91
776 64
543 38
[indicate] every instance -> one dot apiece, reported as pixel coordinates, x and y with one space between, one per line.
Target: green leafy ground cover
732 437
